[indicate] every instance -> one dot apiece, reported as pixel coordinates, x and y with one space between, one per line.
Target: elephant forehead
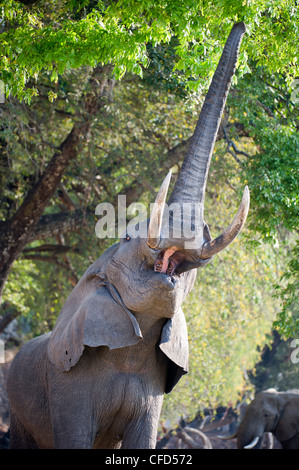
266 402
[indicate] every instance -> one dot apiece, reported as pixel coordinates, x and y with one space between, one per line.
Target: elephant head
141 279
270 411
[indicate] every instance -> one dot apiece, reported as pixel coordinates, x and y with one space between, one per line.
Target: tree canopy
101 100
58 35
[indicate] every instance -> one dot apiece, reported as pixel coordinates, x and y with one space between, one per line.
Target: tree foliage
60 35
272 171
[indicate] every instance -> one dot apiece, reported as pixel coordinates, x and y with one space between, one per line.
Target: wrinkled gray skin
120 341
110 397
275 412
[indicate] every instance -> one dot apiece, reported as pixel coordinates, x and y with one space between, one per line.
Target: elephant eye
128 238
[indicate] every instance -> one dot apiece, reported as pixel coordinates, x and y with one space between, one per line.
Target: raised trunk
183 237
191 183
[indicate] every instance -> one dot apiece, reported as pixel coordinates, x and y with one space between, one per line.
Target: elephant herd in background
120 341
274 412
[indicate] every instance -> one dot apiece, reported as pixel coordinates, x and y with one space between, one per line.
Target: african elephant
120 341
271 411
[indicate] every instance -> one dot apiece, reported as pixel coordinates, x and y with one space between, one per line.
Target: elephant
271 411
120 341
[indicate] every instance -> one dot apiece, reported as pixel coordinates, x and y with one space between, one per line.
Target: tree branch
235 151
51 225
56 249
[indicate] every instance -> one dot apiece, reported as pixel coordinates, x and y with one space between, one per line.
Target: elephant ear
288 424
91 317
174 344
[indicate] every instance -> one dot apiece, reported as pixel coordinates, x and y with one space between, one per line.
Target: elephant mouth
168 261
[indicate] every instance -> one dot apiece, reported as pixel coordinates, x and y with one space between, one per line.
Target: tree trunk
16 232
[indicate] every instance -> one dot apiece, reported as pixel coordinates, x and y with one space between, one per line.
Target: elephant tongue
163 265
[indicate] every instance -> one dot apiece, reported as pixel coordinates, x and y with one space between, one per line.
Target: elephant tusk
226 438
206 441
252 443
155 223
213 247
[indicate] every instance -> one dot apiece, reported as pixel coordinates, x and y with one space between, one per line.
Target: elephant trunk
189 190
191 182
250 432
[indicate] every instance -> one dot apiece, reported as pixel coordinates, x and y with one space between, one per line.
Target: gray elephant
120 341
271 411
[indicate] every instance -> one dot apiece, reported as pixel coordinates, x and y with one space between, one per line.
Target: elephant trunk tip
241 25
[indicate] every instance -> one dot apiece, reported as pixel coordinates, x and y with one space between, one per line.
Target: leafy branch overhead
59 35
